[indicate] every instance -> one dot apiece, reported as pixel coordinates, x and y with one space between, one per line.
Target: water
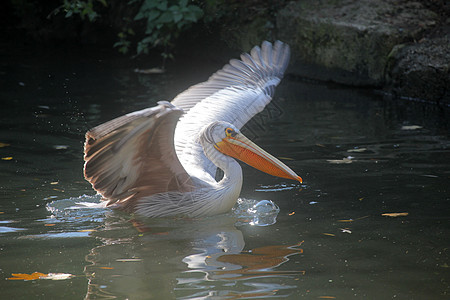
360 157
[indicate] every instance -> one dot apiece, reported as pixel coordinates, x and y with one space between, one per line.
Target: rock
422 70
348 41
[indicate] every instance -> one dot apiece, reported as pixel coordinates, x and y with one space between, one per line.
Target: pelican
162 161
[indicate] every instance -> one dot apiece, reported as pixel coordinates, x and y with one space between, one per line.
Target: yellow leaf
285 158
292 213
329 234
395 214
3 145
7 158
22 276
107 268
349 220
87 230
49 224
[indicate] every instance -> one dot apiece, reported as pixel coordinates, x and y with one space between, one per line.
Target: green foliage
79 7
124 44
149 24
164 21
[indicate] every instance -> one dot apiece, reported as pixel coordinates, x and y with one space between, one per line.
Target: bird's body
162 161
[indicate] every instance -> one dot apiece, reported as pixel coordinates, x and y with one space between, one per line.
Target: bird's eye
230 132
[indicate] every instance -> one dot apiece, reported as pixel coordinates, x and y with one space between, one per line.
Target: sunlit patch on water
254 212
277 187
8 229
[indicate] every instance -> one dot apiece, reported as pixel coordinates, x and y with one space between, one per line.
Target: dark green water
360 156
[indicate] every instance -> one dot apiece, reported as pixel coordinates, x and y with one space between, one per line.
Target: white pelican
162 161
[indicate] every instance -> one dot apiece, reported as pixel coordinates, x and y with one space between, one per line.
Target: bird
162 161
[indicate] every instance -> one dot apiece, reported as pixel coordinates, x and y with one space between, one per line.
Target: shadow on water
361 156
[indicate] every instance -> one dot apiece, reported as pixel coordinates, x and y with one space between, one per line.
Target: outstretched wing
234 94
133 156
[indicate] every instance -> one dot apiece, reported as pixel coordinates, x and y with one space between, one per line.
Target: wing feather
234 94
133 156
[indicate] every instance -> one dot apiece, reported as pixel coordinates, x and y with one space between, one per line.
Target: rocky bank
402 47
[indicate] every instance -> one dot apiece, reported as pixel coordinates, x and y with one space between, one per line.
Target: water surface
360 156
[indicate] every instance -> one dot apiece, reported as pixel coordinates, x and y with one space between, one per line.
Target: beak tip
299 179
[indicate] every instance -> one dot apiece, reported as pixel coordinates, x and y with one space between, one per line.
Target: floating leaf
22 276
60 147
49 224
4 145
352 220
87 230
285 158
7 158
404 214
327 297
358 150
150 71
292 213
129 259
57 276
345 160
107 268
329 234
38 275
411 127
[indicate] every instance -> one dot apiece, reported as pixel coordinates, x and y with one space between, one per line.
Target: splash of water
77 209
254 212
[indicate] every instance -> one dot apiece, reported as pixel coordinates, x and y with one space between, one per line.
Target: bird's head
227 139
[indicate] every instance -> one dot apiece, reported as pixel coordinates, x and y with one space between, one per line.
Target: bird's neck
229 187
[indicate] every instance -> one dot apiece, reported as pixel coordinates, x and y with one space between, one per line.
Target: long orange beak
245 150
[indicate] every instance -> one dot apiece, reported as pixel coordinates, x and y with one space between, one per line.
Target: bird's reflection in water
254 263
184 259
